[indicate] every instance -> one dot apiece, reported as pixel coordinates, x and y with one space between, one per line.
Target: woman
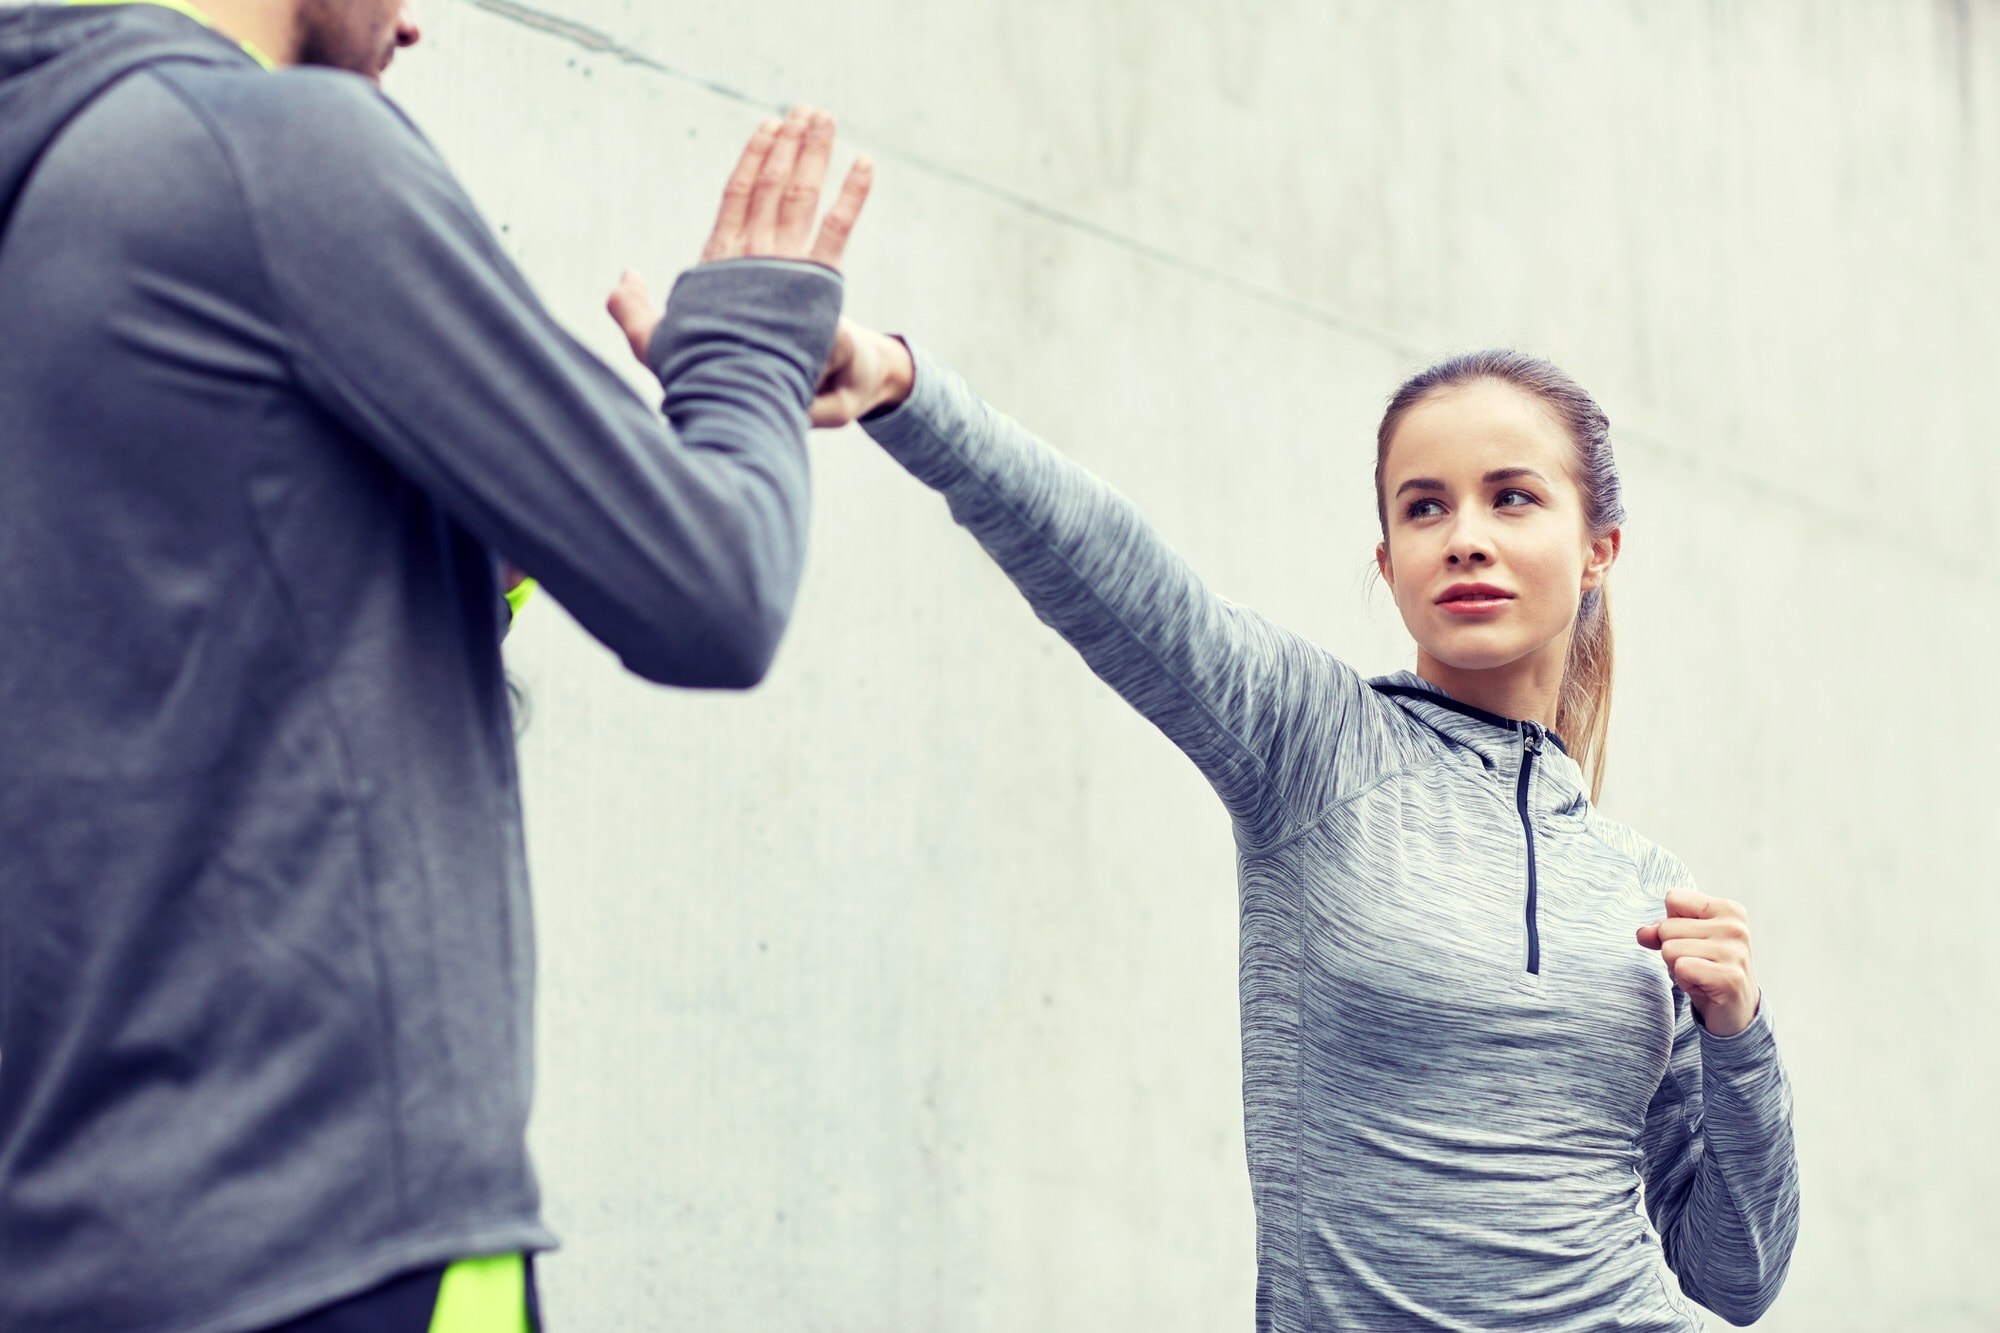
1462 1072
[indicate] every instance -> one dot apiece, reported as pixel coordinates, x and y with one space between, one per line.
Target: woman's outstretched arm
1252 704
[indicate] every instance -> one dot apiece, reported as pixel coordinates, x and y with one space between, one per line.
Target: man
274 407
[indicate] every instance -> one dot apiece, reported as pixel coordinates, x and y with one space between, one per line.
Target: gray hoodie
1466 1088
273 404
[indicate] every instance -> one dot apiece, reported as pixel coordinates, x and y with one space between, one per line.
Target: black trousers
400 1305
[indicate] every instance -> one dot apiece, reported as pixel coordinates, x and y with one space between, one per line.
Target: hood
55 60
1496 740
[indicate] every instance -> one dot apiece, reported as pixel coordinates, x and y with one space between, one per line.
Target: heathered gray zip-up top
273 402
1461 1072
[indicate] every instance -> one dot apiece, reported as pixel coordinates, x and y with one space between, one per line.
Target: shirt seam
1291 840
348 785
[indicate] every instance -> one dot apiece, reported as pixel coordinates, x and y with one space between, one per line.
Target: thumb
1649 935
839 365
831 410
631 307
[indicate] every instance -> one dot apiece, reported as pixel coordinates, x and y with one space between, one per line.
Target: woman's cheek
1553 578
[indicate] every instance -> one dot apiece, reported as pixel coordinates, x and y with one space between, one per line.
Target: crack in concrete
1649 440
590 39
600 43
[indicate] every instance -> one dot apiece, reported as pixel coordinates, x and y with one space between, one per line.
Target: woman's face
1487 550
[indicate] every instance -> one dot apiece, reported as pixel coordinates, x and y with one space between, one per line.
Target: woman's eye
1423 509
1514 499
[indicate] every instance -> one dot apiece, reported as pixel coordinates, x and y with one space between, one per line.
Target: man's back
265 958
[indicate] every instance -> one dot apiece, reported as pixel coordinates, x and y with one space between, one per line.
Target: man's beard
329 35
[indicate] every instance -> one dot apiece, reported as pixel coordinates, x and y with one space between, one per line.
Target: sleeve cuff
1755 1045
931 431
784 308
923 385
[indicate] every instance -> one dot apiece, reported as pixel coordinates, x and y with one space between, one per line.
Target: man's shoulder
318 147
306 107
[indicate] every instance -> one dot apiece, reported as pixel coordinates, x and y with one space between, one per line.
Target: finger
831 244
1686 902
1676 952
631 305
799 203
1705 977
1649 935
726 241
839 360
832 410
1702 928
760 227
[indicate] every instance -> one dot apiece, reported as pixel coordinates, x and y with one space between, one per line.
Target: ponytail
1583 711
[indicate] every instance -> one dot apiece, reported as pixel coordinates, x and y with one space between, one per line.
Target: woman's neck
1529 689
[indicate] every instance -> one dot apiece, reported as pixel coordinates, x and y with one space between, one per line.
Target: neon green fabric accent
518 595
185 7
483 1296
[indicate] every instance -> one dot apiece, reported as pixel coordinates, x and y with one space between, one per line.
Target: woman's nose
1468 545
407 31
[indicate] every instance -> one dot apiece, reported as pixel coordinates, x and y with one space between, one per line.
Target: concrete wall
900 994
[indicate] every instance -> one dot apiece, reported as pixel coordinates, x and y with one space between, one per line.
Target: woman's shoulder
1658 868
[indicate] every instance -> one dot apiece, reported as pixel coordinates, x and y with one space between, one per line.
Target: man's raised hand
767 212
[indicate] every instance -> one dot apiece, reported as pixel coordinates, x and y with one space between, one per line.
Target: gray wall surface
900 994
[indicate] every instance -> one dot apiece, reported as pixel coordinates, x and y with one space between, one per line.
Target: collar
1496 740
1409 685
184 7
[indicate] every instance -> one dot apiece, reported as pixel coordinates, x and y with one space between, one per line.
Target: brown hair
1583 711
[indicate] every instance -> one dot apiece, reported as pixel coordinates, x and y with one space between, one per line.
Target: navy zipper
1532 734
1531 744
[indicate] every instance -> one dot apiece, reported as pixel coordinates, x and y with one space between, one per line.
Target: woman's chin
1474 651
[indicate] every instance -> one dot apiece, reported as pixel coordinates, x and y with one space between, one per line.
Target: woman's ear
1603 554
1382 565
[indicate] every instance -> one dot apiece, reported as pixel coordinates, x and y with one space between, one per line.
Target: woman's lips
1473 599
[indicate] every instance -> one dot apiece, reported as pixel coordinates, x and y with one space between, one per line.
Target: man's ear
1603 554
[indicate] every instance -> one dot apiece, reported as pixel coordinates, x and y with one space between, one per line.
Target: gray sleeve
1721 1174
1255 706
679 542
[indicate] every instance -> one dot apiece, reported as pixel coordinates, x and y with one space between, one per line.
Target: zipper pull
1531 739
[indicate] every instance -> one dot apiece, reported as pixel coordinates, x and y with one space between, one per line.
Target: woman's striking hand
865 371
1706 944
767 211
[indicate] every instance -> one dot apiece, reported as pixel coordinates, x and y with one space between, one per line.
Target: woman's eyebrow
1498 474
